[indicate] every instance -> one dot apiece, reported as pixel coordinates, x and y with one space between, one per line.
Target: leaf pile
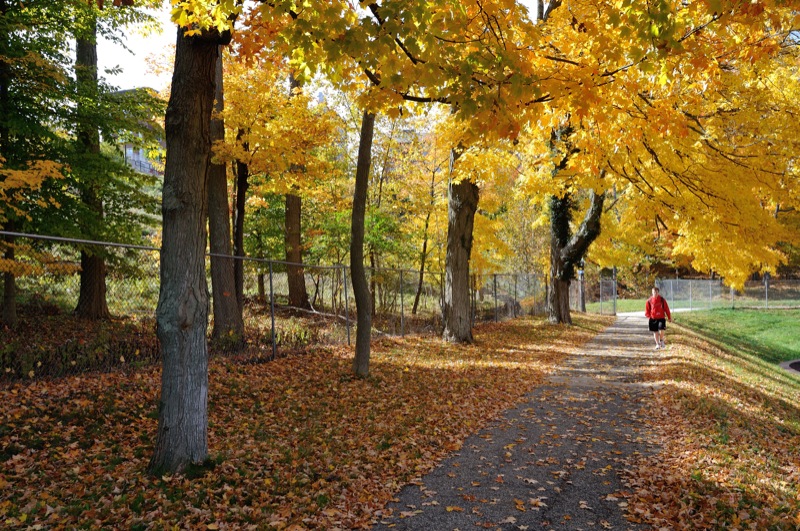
296 444
729 428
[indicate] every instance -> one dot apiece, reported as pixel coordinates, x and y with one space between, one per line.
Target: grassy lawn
770 335
623 306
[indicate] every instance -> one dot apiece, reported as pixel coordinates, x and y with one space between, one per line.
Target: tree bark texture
296 277
92 303
462 205
182 313
228 329
359 277
566 250
242 184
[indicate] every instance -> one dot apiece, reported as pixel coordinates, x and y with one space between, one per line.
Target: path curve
554 461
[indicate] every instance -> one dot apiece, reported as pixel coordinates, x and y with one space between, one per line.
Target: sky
134 65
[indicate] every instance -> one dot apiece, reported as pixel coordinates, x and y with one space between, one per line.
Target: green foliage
45 110
263 227
330 239
383 235
34 81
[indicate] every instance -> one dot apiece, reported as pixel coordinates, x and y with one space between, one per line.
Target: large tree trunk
566 251
92 302
242 183
228 329
182 313
462 205
296 277
359 277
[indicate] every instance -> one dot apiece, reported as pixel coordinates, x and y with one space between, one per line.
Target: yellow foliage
17 184
277 132
689 115
29 262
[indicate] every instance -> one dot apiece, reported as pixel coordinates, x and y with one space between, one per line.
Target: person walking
657 310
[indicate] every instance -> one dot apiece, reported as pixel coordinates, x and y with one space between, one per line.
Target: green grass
623 306
771 335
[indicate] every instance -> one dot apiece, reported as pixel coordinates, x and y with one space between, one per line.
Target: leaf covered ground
299 443
295 443
728 424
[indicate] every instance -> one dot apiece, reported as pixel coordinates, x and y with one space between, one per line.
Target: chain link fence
699 294
496 297
51 340
48 285
598 296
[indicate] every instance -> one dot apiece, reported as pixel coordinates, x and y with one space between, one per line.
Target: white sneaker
663 344
658 347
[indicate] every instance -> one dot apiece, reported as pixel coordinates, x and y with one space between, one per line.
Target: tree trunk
566 251
462 205
373 288
424 253
262 290
422 259
558 297
296 277
242 176
359 277
92 302
182 313
228 324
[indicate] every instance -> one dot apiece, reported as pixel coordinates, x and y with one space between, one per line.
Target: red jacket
657 308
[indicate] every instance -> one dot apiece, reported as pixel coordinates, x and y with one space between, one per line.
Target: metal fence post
346 313
690 295
402 316
472 300
272 311
601 295
494 290
766 291
614 287
710 296
515 295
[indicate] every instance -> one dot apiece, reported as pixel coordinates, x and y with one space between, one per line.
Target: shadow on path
554 461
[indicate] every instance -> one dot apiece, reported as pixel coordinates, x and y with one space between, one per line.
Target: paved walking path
552 462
